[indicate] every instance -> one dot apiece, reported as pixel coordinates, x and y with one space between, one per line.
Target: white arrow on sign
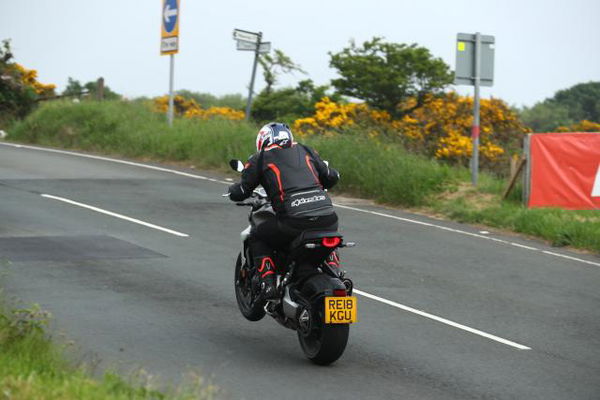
596 188
169 12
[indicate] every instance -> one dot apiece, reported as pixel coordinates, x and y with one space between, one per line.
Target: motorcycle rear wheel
325 343
249 303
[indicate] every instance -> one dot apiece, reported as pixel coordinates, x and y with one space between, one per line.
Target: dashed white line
443 320
113 214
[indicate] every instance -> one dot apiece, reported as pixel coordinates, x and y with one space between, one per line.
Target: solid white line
112 214
443 320
155 168
194 176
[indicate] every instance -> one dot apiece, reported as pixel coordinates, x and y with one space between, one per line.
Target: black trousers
278 232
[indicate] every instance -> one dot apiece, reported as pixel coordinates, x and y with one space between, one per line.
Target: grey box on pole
465 60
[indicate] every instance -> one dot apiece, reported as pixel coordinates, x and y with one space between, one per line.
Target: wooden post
514 176
100 89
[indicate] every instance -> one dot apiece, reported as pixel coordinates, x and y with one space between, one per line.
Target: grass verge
384 172
33 367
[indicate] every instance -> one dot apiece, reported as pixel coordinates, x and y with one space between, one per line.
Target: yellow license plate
340 310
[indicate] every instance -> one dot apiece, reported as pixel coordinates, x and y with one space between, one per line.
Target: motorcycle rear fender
319 285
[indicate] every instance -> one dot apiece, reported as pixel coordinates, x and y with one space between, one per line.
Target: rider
294 177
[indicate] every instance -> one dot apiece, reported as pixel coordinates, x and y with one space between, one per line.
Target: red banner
565 170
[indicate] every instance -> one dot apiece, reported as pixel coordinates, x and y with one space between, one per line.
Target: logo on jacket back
306 200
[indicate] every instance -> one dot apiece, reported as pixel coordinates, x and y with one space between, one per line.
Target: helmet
274 133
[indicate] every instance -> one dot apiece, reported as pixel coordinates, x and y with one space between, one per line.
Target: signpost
251 41
169 43
475 67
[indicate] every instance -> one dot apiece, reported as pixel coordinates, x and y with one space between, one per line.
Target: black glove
236 192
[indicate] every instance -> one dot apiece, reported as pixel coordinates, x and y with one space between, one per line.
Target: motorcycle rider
294 178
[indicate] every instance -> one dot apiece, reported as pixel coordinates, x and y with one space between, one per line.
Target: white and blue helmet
274 133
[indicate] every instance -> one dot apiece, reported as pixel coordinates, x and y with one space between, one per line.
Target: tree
566 108
387 74
289 103
546 116
582 101
19 87
274 65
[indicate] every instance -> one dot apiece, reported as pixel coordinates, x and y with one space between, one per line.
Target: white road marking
365 294
113 214
445 228
194 176
443 320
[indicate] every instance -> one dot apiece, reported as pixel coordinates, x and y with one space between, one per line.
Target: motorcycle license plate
340 310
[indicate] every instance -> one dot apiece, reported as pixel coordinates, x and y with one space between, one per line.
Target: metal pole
475 127
171 78
251 90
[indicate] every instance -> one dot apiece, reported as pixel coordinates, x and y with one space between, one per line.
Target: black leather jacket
283 172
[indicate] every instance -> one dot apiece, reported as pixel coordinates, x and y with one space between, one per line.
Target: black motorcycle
314 298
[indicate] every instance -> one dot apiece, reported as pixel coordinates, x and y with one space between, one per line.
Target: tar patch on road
70 248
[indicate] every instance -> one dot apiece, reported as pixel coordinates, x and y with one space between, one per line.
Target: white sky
541 45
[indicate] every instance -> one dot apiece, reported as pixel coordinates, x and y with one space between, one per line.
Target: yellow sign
169 32
461 46
340 310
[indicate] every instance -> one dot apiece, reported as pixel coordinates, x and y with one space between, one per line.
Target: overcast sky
541 45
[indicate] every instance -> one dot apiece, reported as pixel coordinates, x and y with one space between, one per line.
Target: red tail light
339 292
331 242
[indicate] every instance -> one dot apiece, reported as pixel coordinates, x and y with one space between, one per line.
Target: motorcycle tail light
331 242
339 292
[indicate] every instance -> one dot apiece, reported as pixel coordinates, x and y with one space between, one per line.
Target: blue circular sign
170 15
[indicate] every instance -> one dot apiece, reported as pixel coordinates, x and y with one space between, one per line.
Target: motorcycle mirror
236 165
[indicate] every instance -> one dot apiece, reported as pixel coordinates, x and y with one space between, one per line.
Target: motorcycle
313 298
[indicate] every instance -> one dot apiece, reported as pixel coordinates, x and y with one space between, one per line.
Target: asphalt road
445 312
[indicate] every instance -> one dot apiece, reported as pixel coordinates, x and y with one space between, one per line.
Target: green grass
32 367
384 171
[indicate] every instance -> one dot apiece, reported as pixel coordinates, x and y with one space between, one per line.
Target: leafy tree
289 103
566 108
546 116
274 65
19 87
387 74
582 101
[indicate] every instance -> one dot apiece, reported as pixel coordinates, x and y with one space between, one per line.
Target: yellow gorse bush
581 126
191 109
29 78
440 128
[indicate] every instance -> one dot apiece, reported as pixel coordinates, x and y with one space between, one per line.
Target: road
135 262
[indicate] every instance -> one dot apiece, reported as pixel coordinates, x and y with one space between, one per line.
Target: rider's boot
334 259
268 282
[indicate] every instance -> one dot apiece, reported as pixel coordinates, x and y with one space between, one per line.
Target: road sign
264 47
246 36
169 38
465 60
474 66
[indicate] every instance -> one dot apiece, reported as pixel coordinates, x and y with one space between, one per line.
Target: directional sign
245 36
264 47
169 41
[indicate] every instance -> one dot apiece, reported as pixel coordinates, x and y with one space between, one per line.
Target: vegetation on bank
375 168
32 367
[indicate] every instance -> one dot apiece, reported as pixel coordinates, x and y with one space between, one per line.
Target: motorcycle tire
250 305
326 342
